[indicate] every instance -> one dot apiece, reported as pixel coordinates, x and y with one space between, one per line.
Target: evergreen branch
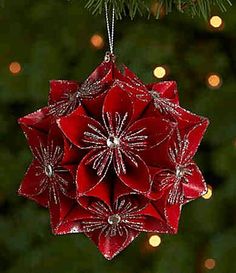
132 7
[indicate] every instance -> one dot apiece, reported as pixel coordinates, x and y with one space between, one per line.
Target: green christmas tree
48 39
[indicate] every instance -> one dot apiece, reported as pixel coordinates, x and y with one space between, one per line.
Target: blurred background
48 39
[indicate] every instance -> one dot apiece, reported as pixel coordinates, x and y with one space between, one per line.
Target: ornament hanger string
110 27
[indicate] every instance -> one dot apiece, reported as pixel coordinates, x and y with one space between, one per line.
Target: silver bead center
49 170
114 219
180 172
113 142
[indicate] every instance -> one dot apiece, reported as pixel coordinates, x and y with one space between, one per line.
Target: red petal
103 76
58 89
35 139
158 179
166 89
101 191
153 221
171 213
196 186
74 127
59 207
31 188
40 120
156 130
194 137
72 220
137 178
55 136
87 177
111 246
117 101
103 73
72 155
121 190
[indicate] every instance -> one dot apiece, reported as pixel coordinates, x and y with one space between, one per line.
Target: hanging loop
110 28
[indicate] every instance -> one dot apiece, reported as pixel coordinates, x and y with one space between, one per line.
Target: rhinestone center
154 94
180 172
114 219
113 142
49 170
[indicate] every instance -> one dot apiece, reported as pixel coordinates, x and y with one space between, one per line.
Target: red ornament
113 157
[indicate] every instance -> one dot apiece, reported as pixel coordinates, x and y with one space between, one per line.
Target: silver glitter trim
48 159
126 142
125 210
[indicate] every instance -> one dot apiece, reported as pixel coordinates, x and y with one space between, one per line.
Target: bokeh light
209 192
154 240
214 81
210 263
97 41
159 72
15 67
216 22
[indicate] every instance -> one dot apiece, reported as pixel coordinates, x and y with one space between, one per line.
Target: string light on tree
210 264
216 22
160 72
214 81
154 241
15 67
97 41
209 193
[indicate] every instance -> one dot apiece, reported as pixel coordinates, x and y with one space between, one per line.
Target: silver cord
110 28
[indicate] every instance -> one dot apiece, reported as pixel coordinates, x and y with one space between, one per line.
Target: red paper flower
114 226
117 140
113 157
180 174
48 180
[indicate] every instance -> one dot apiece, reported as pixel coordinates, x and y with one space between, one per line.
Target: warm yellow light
209 193
155 240
97 41
214 81
14 67
159 72
216 21
210 263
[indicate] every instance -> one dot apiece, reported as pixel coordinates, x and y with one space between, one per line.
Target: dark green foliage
132 7
50 38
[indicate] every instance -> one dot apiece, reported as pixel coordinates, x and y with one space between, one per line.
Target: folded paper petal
137 175
32 187
75 126
196 186
166 90
59 89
